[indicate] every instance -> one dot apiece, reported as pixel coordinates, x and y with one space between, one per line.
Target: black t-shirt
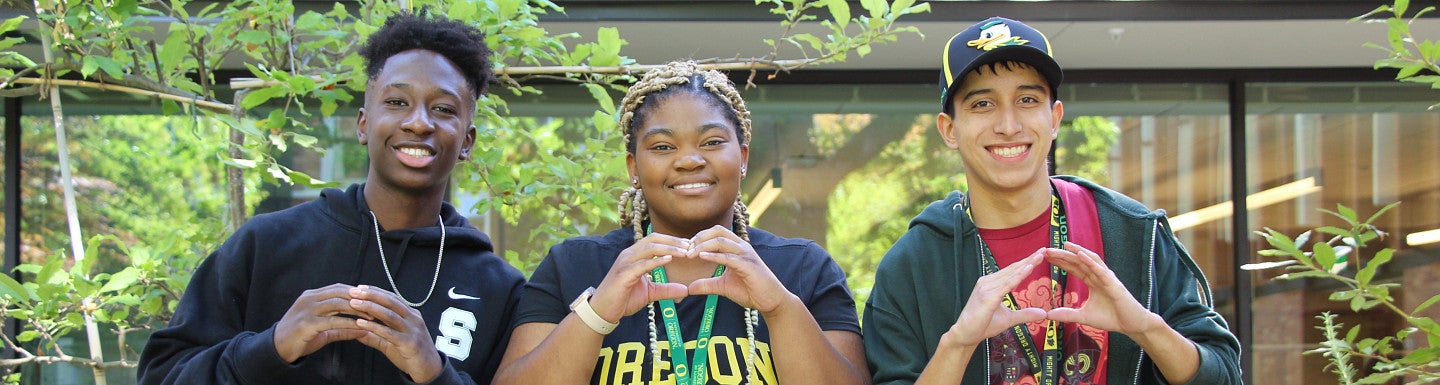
624 358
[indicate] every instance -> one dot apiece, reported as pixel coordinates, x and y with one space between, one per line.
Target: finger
671 291
714 232
1011 276
333 335
1022 316
644 267
382 297
1066 314
383 315
340 291
729 260
1084 252
665 239
723 245
640 252
323 307
706 286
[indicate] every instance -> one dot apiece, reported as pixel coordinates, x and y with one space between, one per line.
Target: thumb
1065 314
1026 315
667 291
705 286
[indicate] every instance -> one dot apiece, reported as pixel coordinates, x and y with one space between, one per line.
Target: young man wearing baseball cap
1027 278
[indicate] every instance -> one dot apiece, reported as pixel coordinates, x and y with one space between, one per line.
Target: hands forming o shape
1110 306
747 280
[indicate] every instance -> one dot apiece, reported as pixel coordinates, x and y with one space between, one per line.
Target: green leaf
121 280
876 8
1368 272
863 50
814 42
1427 304
27 336
278 141
1382 211
11 288
1400 7
1332 230
303 140
278 172
1305 274
11 23
840 11
602 96
1324 255
309 21
48 273
607 47
1409 70
245 164
259 96
88 65
1347 213
251 36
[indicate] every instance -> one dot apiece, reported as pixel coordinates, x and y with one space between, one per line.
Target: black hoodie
223 329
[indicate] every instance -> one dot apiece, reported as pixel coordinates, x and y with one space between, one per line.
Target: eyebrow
407 86
1029 87
669 132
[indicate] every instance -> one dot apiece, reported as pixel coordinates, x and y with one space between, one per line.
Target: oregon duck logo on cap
995 34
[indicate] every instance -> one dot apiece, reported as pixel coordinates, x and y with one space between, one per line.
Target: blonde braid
633 209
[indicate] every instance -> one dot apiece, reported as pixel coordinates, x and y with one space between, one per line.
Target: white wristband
582 308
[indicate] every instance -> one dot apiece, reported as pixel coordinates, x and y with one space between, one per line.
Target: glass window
1313 146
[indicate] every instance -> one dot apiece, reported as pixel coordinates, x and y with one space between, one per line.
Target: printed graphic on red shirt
1083 348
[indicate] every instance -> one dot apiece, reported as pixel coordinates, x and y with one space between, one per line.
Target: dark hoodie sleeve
894 346
205 342
1186 306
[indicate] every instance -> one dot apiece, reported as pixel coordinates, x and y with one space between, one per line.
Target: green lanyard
1046 367
681 367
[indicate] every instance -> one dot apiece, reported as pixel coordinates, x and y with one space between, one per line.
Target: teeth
1008 152
691 185
416 152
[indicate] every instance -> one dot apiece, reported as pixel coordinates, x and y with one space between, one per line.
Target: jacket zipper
1149 290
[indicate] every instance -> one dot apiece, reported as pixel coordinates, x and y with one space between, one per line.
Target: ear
744 159
360 127
468 143
946 125
1057 112
634 174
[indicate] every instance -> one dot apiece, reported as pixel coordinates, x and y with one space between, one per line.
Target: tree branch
206 104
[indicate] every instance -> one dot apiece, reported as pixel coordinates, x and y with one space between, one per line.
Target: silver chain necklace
438 259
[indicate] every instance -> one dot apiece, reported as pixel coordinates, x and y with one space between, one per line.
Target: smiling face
1004 124
417 123
688 161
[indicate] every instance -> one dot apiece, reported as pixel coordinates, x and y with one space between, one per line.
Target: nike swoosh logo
454 295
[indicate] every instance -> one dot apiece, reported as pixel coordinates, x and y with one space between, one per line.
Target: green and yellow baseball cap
996 39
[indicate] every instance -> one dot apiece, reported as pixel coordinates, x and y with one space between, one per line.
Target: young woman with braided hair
685 292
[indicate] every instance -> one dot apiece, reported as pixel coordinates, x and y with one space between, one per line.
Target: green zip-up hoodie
926 278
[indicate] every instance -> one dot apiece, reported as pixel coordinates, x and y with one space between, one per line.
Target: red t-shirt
1084 348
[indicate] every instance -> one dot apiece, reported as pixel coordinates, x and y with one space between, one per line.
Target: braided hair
643 97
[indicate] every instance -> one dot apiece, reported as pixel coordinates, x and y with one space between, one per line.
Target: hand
1110 307
315 320
746 280
985 315
398 331
626 288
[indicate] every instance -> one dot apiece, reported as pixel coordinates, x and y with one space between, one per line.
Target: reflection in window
1362 146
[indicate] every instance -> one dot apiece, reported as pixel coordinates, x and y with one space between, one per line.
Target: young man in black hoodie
343 289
